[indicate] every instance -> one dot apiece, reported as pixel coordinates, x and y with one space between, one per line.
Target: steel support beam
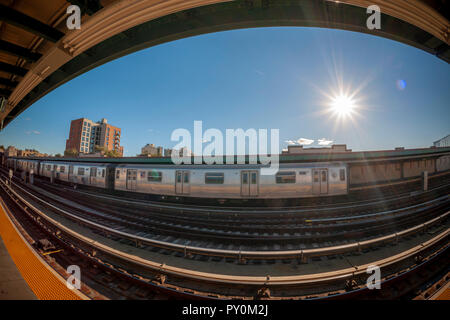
5 67
5 93
29 24
19 51
8 83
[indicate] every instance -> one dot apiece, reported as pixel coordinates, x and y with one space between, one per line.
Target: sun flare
342 105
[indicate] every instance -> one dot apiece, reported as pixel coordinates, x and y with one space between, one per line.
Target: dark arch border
229 16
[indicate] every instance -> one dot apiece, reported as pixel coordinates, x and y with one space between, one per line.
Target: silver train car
200 181
92 174
233 181
28 165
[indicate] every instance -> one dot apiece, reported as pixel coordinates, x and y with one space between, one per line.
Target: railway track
209 242
401 194
305 282
261 216
277 236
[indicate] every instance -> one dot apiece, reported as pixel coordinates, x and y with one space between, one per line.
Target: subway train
293 180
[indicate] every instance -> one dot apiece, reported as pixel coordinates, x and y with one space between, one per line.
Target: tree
71 153
97 148
113 154
58 155
107 153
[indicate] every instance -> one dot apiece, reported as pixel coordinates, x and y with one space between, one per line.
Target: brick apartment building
85 134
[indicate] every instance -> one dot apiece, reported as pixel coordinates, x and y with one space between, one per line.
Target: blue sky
253 78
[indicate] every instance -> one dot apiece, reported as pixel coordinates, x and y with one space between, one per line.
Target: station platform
23 274
12 284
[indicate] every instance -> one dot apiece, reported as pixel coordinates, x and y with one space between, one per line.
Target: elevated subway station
209 251
393 212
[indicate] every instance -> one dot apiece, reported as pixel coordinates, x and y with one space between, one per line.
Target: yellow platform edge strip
45 282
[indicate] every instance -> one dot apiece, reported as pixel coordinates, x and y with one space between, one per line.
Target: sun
342 105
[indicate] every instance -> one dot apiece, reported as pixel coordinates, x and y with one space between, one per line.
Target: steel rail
302 254
219 229
256 210
249 280
234 211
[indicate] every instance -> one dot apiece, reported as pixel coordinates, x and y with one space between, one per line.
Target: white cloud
325 142
305 142
34 132
290 142
259 72
301 142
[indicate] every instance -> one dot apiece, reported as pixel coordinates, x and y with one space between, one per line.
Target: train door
249 183
131 179
182 182
93 176
110 176
320 181
70 172
55 172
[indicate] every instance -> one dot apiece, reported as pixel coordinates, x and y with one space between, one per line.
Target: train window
178 177
324 176
70 169
186 178
103 173
155 176
93 172
285 177
214 178
142 174
316 176
342 174
397 166
253 177
117 174
244 178
302 173
81 171
62 169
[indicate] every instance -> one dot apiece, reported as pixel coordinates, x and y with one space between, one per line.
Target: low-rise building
335 148
167 152
11 151
30 153
150 150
